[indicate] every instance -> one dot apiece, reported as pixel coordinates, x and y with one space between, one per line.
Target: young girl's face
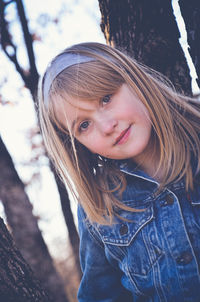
117 126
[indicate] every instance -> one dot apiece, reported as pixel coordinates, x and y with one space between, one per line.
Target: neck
148 161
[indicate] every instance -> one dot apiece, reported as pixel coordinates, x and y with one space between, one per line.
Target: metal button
185 258
169 200
123 229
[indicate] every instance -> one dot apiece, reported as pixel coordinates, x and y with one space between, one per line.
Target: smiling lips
122 138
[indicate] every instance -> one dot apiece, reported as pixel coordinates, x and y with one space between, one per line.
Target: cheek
128 112
98 146
92 142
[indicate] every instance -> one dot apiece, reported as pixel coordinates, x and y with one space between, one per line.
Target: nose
107 124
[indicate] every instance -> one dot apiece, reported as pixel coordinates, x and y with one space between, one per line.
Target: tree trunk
18 284
24 227
147 31
190 11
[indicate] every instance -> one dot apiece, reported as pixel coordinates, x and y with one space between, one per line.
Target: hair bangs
91 81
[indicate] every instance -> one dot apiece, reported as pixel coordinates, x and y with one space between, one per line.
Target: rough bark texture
24 227
147 31
190 10
17 282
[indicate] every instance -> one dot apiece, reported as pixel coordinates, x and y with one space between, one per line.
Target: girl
127 146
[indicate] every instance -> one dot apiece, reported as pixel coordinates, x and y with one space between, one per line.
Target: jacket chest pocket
130 243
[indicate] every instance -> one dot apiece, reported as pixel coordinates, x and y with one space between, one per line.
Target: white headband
60 63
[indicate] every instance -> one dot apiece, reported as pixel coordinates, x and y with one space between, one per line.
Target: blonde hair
174 118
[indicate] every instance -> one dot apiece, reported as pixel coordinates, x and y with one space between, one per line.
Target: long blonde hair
174 120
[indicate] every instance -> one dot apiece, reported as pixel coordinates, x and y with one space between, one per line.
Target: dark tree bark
25 229
30 79
190 11
17 281
147 31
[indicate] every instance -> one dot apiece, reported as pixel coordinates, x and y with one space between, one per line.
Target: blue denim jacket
155 257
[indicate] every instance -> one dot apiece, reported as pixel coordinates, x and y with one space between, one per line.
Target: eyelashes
106 99
83 126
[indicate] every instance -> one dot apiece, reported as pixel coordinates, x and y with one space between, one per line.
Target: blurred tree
16 203
147 30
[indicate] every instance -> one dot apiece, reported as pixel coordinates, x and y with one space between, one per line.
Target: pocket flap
123 232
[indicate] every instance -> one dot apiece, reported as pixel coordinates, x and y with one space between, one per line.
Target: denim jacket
155 257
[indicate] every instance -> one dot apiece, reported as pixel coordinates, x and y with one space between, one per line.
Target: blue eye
83 126
106 99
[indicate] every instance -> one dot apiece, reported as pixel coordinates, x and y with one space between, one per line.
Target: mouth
122 138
